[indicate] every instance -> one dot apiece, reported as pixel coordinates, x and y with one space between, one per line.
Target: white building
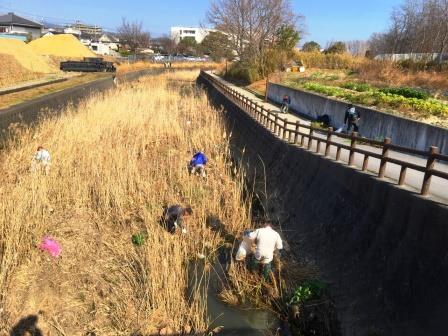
179 33
12 24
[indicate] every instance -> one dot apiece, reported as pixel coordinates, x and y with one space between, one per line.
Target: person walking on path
285 104
175 217
351 119
41 160
197 164
267 240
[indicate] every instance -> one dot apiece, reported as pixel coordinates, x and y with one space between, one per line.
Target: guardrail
292 133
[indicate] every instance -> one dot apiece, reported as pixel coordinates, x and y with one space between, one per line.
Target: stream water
236 321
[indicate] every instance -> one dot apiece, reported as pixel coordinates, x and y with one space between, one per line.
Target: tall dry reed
117 159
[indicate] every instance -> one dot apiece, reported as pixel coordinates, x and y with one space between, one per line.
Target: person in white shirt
41 160
267 241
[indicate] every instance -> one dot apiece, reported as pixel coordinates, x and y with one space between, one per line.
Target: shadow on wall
26 326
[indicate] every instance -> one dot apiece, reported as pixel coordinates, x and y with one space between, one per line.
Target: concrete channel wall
382 249
53 103
374 124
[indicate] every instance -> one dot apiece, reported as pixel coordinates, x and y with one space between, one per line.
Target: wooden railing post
402 175
310 141
384 156
329 134
275 123
428 173
285 125
351 156
296 134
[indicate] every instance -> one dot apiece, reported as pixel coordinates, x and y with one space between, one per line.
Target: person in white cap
267 240
41 160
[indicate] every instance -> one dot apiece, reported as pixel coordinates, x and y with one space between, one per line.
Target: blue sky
326 19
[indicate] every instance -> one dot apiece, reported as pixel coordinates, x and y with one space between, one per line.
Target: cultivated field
117 159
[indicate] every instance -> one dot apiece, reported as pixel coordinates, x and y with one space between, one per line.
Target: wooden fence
297 133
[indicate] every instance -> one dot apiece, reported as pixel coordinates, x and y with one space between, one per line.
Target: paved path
413 182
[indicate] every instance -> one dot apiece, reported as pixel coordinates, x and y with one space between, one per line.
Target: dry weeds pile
117 159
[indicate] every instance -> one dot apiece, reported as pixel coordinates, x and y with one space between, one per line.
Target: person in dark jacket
285 104
197 164
352 117
175 217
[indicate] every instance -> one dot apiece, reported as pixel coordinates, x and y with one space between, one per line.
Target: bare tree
418 26
357 47
132 35
251 24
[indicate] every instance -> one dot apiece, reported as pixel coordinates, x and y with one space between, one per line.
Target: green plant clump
406 92
360 87
308 290
382 99
138 239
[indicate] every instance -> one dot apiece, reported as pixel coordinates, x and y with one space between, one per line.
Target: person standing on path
267 240
175 217
285 104
351 119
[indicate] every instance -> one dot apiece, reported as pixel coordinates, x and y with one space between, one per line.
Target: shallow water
244 321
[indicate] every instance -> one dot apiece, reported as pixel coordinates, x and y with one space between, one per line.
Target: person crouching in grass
41 161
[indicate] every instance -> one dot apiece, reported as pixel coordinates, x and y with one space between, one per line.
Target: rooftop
12 19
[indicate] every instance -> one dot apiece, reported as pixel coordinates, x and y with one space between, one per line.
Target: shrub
360 87
406 92
243 72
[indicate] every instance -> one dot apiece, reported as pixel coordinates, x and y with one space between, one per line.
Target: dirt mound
25 56
64 45
13 72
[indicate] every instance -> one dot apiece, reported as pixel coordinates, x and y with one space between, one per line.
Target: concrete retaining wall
374 124
382 249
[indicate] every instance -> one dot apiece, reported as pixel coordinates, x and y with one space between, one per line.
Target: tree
336 48
418 26
311 46
217 45
287 37
168 45
357 47
187 45
132 35
252 25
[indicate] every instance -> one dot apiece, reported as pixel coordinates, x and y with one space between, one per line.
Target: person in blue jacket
197 164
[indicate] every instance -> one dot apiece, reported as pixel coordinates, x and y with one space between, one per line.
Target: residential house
14 26
111 41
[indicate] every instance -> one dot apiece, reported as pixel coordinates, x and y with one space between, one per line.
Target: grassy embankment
417 94
117 159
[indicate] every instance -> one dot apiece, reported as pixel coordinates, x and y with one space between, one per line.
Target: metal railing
293 133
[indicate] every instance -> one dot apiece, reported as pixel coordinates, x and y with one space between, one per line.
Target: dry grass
376 72
117 159
127 67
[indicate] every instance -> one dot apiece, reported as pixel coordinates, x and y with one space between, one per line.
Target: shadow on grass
26 326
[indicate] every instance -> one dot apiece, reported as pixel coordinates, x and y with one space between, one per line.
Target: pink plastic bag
51 246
